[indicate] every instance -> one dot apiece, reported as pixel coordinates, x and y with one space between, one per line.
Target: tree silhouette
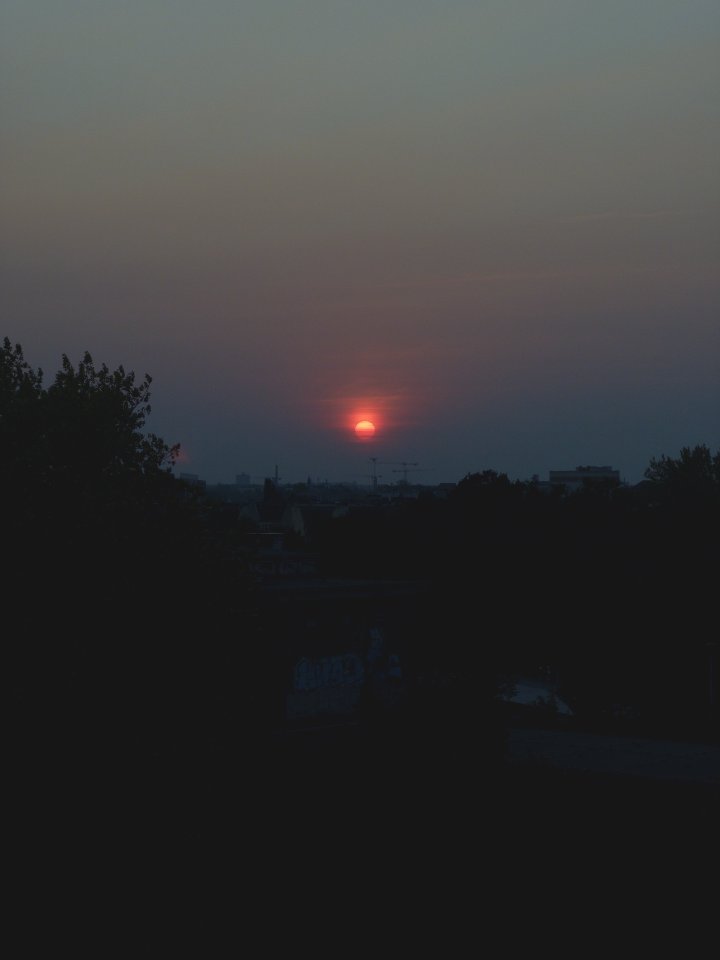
696 471
120 588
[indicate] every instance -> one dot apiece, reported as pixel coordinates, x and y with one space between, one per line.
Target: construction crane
374 475
406 467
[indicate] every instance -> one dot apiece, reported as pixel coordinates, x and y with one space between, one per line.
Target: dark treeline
125 596
613 590
135 630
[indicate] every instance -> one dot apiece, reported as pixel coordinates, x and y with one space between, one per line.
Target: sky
491 227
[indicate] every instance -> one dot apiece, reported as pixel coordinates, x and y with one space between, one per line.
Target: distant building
193 480
242 480
580 477
443 490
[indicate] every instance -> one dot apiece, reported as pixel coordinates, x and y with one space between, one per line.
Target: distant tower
374 477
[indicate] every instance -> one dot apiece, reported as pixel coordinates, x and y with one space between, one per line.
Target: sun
364 429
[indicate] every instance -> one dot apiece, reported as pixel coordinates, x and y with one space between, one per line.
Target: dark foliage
121 603
136 641
612 589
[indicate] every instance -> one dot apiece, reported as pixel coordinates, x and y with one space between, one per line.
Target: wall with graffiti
337 685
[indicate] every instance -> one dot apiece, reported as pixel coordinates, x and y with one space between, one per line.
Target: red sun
364 429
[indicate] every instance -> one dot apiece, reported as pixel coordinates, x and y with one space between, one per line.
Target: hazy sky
491 226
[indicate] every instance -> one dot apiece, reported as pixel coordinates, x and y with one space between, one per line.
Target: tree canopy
121 588
696 471
86 427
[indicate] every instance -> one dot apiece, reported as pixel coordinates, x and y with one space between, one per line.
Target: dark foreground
344 790
346 836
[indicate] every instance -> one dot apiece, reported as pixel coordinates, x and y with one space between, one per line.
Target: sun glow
363 419
364 429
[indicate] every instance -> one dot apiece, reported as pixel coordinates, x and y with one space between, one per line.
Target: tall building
193 480
580 477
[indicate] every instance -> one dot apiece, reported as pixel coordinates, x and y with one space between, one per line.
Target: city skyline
490 230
